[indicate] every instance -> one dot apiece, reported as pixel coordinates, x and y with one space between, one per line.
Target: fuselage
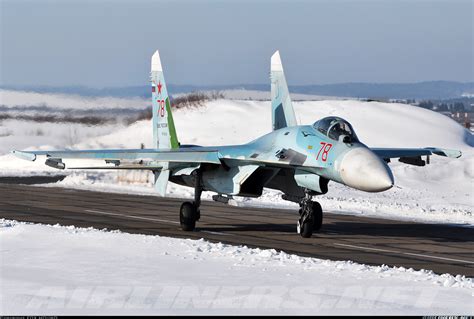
341 158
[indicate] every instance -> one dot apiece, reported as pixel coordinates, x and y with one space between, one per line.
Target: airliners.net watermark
226 297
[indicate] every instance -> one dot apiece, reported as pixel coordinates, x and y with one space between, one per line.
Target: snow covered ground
21 127
14 98
59 270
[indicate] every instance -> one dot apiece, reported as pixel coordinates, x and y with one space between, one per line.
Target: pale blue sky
109 43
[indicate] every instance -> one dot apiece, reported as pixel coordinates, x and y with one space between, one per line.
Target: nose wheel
311 217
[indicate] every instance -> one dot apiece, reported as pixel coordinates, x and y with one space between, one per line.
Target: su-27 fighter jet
298 160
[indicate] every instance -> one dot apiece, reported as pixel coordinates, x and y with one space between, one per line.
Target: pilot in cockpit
336 128
339 129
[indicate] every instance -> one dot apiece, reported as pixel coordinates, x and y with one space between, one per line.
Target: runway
374 241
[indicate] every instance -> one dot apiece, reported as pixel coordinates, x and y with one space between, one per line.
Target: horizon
437 90
15 86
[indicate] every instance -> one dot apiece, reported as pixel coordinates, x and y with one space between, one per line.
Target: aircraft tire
306 230
317 216
188 216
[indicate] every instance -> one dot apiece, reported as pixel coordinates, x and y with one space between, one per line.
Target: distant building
466 119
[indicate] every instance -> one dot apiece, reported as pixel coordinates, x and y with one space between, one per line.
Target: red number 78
325 147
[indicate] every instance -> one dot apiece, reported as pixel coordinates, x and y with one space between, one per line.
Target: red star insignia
159 87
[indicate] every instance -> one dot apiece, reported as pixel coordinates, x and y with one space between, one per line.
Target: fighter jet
298 160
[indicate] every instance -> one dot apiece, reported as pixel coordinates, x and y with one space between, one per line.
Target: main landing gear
311 216
311 213
189 212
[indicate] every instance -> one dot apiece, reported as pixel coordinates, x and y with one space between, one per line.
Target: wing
413 155
125 158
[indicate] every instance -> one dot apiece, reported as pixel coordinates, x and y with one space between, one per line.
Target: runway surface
441 248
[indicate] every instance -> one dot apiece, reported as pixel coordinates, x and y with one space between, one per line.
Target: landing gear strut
311 216
189 212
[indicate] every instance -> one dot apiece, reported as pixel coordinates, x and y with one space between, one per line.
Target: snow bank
67 270
13 98
254 95
17 134
18 106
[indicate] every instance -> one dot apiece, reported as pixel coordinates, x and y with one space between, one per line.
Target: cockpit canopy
336 128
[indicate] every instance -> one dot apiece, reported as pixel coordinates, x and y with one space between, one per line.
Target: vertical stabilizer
283 114
164 132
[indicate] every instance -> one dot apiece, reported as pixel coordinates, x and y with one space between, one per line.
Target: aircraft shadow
434 232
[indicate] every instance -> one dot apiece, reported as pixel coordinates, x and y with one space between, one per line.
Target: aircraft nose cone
362 169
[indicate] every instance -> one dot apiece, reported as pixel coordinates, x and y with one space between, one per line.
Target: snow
17 134
59 270
14 98
253 95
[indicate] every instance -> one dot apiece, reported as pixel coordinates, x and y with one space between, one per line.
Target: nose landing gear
311 216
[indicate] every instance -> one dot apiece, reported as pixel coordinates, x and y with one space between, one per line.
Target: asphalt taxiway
374 241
